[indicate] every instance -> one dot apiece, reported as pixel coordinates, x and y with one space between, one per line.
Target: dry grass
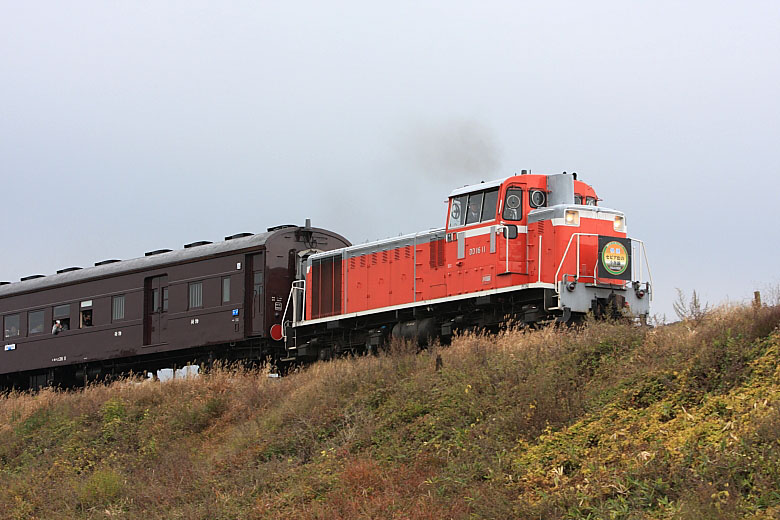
607 420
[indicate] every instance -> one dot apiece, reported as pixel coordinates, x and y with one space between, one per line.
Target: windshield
513 204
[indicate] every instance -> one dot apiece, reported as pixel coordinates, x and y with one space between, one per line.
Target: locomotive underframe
422 324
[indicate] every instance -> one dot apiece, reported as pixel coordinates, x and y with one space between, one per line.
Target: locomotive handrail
539 262
595 270
649 274
499 230
566 252
297 286
504 227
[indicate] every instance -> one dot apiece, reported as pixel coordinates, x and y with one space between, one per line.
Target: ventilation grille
32 277
326 286
436 253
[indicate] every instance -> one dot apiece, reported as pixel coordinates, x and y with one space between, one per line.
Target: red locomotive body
529 247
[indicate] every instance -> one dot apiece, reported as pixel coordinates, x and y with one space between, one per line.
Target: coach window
513 204
196 295
165 299
61 313
226 289
458 211
35 322
85 315
11 326
118 308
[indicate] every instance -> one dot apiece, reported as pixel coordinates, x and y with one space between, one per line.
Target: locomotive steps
609 420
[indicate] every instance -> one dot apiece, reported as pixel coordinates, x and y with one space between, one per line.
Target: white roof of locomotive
476 187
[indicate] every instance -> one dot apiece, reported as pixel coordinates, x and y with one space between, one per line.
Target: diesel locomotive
526 248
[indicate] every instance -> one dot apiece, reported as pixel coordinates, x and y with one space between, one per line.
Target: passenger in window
56 328
87 318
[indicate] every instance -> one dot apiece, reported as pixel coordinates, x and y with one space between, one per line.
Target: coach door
156 309
256 292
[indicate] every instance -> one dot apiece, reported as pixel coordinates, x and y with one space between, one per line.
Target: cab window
473 208
474 212
513 204
458 211
489 205
577 198
590 201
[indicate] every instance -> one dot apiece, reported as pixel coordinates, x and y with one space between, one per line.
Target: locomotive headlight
620 224
572 217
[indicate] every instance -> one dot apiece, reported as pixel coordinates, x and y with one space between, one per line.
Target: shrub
101 488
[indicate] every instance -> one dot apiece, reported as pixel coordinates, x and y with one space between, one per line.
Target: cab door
512 252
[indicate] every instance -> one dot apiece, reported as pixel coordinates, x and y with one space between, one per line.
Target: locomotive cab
544 232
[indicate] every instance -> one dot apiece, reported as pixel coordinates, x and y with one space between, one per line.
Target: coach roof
139 264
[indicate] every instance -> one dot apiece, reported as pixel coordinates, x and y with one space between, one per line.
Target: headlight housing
572 217
619 224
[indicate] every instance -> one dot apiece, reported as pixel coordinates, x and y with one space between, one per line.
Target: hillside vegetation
606 421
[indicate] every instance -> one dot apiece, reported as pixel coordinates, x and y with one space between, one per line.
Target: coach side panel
198 312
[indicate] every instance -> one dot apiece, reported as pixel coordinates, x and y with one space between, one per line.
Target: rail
595 270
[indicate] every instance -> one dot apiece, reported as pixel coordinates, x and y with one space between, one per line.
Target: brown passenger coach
222 300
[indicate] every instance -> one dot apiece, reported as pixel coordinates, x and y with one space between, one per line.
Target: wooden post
439 362
757 299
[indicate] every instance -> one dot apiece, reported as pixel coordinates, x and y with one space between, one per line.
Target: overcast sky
132 126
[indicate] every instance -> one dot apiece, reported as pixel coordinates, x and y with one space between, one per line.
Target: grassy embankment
609 421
